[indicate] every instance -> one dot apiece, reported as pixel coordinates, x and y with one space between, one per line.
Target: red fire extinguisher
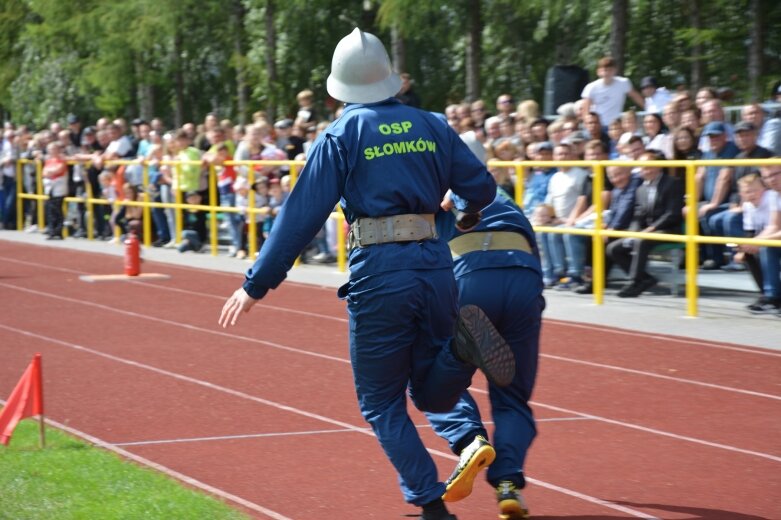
132 255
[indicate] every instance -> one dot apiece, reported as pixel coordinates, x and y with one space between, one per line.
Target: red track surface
631 425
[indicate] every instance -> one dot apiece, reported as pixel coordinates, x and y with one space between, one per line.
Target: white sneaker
170 245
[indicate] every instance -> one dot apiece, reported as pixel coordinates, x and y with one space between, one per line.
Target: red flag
26 400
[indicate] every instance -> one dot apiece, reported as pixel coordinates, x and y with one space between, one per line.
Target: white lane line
231 437
166 470
177 324
298 411
293 434
662 376
346 361
677 339
660 432
342 360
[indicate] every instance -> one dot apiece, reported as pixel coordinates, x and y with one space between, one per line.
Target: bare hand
239 302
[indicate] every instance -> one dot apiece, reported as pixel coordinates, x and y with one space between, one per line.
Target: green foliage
97 57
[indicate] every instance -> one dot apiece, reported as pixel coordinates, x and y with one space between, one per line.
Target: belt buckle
354 235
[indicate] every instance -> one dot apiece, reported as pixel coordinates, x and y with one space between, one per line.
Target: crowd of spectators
665 125
731 202
80 161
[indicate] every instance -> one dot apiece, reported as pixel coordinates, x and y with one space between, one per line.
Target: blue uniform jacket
377 160
501 215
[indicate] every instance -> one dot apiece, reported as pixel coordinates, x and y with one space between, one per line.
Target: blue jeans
553 256
8 203
563 254
712 225
401 323
769 259
515 307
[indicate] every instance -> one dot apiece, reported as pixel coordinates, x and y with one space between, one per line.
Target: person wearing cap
713 112
536 187
606 96
74 126
656 97
730 223
389 166
714 185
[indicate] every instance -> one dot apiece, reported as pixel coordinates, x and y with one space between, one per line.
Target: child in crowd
159 191
259 200
55 184
276 197
194 232
126 216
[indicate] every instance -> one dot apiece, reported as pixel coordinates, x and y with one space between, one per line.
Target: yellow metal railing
178 205
690 238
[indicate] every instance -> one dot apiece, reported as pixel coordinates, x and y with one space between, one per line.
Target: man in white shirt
607 95
563 254
656 97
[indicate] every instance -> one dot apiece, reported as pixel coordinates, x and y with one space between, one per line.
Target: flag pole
42 431
39 383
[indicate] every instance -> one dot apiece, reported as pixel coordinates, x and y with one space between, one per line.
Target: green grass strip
74 480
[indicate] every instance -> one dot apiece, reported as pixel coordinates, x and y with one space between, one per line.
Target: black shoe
765 305
632 290
511 504
436 510
159 242
585 288
647 283
478 343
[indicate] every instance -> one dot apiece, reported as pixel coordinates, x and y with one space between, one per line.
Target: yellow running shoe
475 457
511 504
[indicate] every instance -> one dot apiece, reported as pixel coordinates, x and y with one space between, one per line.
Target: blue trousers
401 324
512 298
770 260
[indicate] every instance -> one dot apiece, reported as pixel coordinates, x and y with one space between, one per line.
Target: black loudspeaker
563 84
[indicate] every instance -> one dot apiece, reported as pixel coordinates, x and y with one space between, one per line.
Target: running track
264 415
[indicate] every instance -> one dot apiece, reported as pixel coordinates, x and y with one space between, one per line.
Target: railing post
39 191
598 273
293 175
252 226
19 200
520 183
213 231
90 211
692 252
147 214
178 200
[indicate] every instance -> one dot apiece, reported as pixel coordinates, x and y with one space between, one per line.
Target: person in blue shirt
497 268
389 166
714 184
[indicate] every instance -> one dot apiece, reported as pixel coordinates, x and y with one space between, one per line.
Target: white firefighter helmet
361 70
